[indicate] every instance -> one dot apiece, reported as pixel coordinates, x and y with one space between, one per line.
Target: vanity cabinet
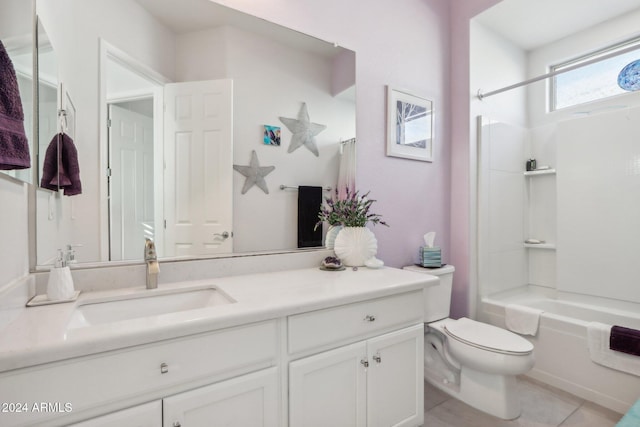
376 380
83 387
248 400
146 415
347 363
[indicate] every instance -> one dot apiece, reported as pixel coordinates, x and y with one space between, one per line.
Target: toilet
474 362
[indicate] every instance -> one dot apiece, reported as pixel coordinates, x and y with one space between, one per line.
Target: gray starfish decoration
255 174
303 131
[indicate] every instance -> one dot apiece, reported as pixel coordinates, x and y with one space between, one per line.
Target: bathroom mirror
119 63
16 33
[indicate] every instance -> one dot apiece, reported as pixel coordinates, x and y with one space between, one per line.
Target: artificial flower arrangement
351 211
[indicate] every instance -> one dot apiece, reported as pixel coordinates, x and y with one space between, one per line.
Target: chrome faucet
151 259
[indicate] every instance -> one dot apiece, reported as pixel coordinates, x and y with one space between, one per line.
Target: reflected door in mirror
131 182
198 174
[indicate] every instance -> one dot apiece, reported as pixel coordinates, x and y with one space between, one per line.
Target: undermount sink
145 304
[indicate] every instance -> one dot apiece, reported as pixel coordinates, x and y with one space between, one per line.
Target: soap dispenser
60 285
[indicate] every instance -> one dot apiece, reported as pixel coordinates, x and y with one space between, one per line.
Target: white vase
332 233
355 245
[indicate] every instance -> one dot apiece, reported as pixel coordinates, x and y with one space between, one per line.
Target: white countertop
40 334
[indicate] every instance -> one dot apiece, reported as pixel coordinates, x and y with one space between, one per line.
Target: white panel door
329 389
249 400
198 167
131 184
395 382
146 415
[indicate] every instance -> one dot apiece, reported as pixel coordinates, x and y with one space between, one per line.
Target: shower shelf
550 246
540 172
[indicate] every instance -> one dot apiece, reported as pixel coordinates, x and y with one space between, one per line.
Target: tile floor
542 406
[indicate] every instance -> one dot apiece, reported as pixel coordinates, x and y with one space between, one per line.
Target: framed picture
409 126
271 135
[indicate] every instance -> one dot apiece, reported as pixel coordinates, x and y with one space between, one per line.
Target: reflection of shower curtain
347 170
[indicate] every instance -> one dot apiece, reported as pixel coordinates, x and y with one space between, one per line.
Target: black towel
309 202
625 340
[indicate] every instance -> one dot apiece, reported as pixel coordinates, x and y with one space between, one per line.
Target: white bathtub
561 351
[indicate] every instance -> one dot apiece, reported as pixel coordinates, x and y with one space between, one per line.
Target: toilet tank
437 299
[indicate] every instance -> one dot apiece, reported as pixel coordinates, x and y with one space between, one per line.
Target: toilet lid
488 337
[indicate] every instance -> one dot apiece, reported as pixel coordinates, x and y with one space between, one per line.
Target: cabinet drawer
110 377
347 323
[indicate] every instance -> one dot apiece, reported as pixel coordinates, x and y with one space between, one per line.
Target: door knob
224 235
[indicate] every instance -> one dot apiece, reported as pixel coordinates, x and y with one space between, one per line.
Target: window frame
557 69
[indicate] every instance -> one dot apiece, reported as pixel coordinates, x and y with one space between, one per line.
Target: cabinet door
395 382
147 415
329 389
249 400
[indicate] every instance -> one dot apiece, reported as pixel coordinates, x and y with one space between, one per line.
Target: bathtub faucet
151 259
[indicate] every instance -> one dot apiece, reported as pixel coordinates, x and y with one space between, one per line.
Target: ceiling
534 23
185 16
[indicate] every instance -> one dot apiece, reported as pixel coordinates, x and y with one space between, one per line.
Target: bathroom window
593 81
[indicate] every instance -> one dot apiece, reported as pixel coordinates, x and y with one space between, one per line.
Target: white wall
268 80
501 155
598 205
502 207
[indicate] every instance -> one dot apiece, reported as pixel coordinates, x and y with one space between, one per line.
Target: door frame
108 52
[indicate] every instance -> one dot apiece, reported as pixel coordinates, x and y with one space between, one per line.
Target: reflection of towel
14 147
625 340
598 343
309 201
61 168
522 319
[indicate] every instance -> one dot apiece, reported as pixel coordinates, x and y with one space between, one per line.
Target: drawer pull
177 424
365 363
370 318
164 368
377 358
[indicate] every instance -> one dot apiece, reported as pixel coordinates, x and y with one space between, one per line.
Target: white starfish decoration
303 131
255 174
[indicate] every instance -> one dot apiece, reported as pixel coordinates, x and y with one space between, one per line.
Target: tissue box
430 257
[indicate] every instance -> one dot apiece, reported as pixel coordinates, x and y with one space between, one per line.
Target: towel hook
62 115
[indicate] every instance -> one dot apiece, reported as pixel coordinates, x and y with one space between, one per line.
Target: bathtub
561 351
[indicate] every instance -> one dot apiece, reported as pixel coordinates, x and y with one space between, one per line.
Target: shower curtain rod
481 95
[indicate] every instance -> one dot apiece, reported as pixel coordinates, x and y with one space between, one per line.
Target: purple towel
625 340
14 147
61 168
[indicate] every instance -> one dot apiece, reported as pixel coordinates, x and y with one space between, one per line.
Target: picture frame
409 125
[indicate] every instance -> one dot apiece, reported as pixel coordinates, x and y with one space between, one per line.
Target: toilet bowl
474 362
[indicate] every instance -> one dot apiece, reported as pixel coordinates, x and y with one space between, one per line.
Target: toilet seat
487 337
